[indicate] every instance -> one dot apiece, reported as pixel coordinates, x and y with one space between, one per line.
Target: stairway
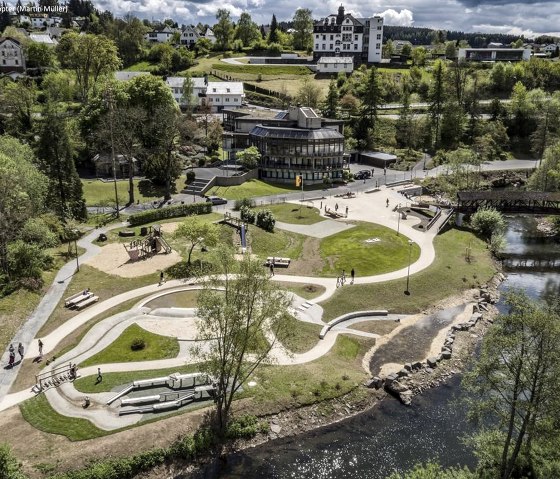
197 187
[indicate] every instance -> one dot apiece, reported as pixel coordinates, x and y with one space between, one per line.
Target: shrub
247 214
248 202
191 176
265 220
170 212
487 222
327 182
138 344
37 231
184 270
245 427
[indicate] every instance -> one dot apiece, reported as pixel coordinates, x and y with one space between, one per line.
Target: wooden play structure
152 244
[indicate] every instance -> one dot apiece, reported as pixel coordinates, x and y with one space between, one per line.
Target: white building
11 56
335 65
220 95
551 48
494 54
176 84
43 37
160 36
345 35
190 35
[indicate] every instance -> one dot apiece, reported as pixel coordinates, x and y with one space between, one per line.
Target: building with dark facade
291 143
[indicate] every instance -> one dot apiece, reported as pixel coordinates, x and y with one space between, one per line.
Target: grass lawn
303 336
39 413
141 67
250 189
262 69
120 351
102 284
292 213
306 291
347 250
449 274
111 381
97 192
279 243
289 84
336 373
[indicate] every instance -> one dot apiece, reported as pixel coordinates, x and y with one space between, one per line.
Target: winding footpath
370 207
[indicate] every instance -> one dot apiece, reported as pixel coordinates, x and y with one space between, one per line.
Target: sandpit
113 259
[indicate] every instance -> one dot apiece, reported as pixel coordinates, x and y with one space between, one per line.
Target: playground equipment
153 243
241 226
182 389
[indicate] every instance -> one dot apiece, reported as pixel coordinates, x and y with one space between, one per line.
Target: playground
328 348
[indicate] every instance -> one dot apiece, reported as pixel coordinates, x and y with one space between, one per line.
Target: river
391 437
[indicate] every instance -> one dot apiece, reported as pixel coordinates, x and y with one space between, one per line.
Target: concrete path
322 229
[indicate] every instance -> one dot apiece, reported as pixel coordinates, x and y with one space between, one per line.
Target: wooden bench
283 262
76 298
87 302
335 214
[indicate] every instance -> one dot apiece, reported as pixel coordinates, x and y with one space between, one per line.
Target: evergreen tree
437 102
56 160
371 97
273 35
330 108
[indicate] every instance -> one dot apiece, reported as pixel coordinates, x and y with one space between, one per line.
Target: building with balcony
344 35
291 143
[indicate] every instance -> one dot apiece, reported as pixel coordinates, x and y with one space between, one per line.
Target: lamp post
76 247
424 159
410 243
398 219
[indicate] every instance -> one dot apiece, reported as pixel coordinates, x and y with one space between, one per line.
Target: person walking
343 276
20 351
40 348
271 268
387 203
347 211
336 206
160 278
12 359
337 281
99 375
352 273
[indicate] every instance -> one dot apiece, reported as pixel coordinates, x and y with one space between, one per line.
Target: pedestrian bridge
509 201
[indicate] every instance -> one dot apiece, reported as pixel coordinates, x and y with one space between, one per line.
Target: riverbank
293 422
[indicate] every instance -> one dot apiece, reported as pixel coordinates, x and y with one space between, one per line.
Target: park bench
283 262
76 298
86 303
334 214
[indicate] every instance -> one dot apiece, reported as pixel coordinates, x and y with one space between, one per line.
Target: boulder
376 382
392 377
432 362
439 357
417 365
429 370
408 366
446 354
400 391
403 373
275 428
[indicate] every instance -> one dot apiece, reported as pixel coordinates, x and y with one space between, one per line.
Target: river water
391 437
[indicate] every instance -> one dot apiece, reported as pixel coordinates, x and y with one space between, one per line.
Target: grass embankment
120 350
99 193
306 291
294 214
449 274
348 249
144 66
278 243
303 336
251 189
262 69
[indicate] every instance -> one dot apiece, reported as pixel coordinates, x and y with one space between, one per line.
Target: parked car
216 200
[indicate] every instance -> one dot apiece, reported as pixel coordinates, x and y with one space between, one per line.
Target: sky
501 16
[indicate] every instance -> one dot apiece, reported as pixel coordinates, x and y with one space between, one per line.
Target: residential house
190 35
160 36
344 35
335 65
40 20
12 58
103 163
292 143
221 94
494 54
551 48
209 34
199 89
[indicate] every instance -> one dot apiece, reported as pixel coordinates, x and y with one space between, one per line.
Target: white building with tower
344 35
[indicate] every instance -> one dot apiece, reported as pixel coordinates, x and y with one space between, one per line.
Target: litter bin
143 231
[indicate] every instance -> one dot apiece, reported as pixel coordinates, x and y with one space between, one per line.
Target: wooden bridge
509 201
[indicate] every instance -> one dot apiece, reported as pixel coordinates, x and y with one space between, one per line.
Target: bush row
169 212
263 218
187 448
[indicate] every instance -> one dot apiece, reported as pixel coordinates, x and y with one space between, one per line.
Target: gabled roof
328 60
3 39
177 82
225 88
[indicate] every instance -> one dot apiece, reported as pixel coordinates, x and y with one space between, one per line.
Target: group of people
341 280
20 351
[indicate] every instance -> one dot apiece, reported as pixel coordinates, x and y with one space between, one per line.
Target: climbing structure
152 244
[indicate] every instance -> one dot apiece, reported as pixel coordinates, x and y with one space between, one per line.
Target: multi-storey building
291 143
12 58
344 35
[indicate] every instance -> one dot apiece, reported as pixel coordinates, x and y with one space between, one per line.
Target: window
324 37
356 46
316 46
378 46
227 99
330 46
324 47
379 28
356 37
331 37
379 36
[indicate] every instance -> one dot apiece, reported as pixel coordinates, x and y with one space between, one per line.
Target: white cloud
404 18
509 29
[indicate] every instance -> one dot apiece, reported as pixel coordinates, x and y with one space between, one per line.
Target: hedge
169 212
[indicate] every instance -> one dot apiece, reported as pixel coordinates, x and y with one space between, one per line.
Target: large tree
330 107
371 96
55 155
242 315
309 94
223 29
18 99
195 231
23 192
303 26
247 30
90 56
514 386
437 97
273 36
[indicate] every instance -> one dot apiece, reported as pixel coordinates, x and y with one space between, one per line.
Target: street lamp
410 243
399 219
76 232
424 159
